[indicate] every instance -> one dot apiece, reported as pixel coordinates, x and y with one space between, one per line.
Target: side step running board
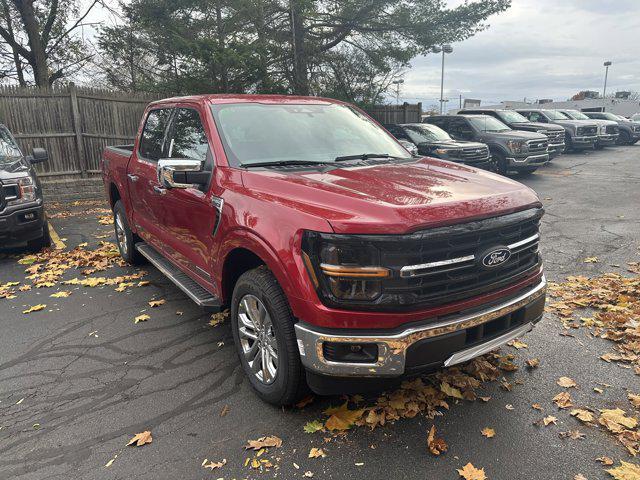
184 282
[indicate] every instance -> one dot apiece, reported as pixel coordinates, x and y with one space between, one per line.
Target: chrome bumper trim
392 348
589 139
541 158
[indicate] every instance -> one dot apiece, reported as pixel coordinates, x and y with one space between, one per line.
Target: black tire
624 138
568 143
125 240
38 244
501 163
289 383
634 142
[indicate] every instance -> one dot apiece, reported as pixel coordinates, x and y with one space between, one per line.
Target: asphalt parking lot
79 378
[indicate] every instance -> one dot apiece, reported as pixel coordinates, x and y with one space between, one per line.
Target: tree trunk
38 60
300 74
224 74
14 52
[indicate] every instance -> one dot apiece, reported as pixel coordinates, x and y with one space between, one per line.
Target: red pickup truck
346 262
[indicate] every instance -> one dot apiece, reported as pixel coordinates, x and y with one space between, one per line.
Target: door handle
159 190
133 178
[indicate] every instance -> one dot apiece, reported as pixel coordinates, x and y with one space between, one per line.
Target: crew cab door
144 189
460 129
190 215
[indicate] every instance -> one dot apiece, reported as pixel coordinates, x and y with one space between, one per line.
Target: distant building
544 100
584 94
619 106
623 95
471 103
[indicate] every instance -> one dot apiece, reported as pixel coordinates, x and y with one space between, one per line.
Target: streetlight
606 64
446 48
397 83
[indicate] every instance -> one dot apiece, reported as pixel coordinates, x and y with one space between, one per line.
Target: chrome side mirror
181 173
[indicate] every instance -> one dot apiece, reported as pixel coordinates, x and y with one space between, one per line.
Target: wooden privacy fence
405 113
74 124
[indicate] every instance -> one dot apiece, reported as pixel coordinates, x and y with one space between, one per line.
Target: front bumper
608 139
536 160
21 224
444 341
556 149
584 141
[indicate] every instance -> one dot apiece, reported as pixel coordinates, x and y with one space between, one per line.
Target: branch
73 27
51 18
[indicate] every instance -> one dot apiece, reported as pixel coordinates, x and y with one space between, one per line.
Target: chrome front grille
538 146
471 154
587 130
555 136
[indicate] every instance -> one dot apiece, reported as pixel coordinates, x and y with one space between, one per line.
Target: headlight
26 191
543 132
517 146
442 151
603 129
345 270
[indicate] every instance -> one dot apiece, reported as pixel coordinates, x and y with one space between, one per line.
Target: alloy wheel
121 234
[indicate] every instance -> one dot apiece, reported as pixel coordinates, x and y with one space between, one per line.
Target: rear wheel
265 339
125 238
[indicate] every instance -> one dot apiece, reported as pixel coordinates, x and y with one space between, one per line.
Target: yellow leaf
518 344
61 294
566 382
616 420
213 465
157 303
488 432
469 472
141 318
605 460
341 418
35 308
264 442
450 391
582 415
591 260
626 471
563 400
635 400
317 453
141 439
436 445
549 420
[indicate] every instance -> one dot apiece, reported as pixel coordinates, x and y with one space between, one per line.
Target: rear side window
188 137
152 138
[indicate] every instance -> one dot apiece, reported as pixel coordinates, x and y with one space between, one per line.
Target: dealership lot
79 378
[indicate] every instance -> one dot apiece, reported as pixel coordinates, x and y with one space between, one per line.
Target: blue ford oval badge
496 257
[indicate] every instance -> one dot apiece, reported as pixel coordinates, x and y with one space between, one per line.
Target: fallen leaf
508 406
214 465
566 382
591 260
436 445
305 401
141 439
616 420
307 474
488 432
605 460
579 477
141 318
626 471
517 344
532 363
341 418
264 442
635 400
573 434
35 308
582 415
549 420
317 453
563 400
537 406
224 410
157 303
450 391
313 427
61 294
469 472
110 462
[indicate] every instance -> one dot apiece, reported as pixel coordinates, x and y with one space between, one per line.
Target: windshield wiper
363 156
281 163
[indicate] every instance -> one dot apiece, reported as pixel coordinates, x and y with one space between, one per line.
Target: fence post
77 129
405 112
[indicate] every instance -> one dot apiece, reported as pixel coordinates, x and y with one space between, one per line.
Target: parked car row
518 141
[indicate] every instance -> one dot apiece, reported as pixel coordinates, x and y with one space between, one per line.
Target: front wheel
265 339
624 139
125 238
44 241
501 163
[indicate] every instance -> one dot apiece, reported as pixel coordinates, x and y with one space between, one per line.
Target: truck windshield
554 115
575 114
486 123
512 117
426 133
255 133
9 151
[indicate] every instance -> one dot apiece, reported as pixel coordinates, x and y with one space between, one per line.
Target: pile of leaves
615 301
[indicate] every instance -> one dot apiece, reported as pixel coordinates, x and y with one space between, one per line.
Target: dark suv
22 220
514 120
629 132
432 141
518 151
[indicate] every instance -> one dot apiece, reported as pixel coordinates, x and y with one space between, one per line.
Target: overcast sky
537 49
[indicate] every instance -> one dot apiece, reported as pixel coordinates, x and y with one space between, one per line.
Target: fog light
350 352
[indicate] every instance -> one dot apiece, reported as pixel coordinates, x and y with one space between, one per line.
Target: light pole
446 48
397 83
606 64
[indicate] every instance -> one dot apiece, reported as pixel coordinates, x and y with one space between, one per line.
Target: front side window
255 133
188 139
152 138
10 154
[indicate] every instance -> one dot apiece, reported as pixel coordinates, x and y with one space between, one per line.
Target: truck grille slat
471 154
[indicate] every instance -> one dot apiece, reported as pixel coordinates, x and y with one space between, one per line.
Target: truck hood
514 135
452 144
13 167
575 123
533 126
393 197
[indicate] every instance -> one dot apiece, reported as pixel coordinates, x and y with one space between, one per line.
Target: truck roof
247 98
